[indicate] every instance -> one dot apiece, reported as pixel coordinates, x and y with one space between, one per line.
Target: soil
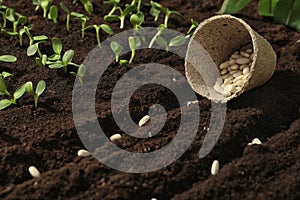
47 138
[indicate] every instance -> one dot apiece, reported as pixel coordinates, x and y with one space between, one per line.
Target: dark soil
46 137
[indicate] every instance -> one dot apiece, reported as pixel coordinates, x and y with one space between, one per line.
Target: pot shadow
278 100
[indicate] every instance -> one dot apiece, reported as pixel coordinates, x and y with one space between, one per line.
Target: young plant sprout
66 9
117 49
53 13
3 89
6 75
88 5
134 43
8 58
80 73
121 18
158 7
33 39
33 49
138 4
174 42
115 4
57 48
40 88
83 19
10 15
44 4
106 28
66 60
192 28
4 103
137 19
160 30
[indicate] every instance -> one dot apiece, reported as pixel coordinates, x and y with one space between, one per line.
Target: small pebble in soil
144 120
214 167
234 72
115 137
255 141
34 172
83 153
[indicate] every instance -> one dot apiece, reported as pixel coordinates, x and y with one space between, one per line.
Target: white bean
244 54
224 65
218 89
256 141
252 56
226 76
115 137
249 51
235 56
224 71
242 61
227 81
144 120
234 71
246 70
237 74
234 67
83 153
215 167
231 62
238 78
243 66
34 172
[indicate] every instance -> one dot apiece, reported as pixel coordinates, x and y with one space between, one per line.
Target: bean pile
234 72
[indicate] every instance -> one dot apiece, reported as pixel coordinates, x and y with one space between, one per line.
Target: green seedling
192 28
134 43
106 28
137 19
32 39
4 103
80 73
40 88
65 62
33 49
138 4
11 15
6 75
67 10
160 30
174 42
158 7
53 13
57 48
123 15
83 19
88 5
3 89
8 58
117 49
44 4
115 4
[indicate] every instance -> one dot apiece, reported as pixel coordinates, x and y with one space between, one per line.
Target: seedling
106 28
158 7
160 30
44 4
6 75
57 48
4 103
88 5
137 19
134 43
66 60
80 73
33 39
33 49
83 19
53 13
8 58
66 9
192 28
11 16
138 4
3 89
115 4
121 18
117 49
40 88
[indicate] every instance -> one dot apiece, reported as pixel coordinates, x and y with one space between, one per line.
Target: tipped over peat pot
220 36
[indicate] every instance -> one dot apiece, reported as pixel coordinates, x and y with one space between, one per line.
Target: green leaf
53 13
177 41
6 75
56 66
54 57
22 20
131 42
38 61
40 88
111 18
287 12
19 92
5 103
128 10
40 38
155 13
8 58
157 6
81 71
116 47
233 6
65 8
137 19
106 28
3 88
161 41
68 56
31 50
76 14
266 7
29 87
56 45
88 6
10 14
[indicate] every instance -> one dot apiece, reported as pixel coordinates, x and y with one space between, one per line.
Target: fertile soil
47 138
